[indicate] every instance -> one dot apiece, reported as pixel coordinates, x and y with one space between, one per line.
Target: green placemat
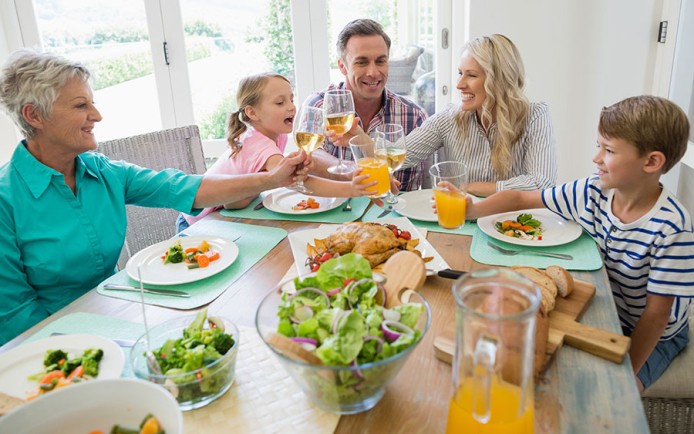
254 243
586 255
336 215
100 325
467 229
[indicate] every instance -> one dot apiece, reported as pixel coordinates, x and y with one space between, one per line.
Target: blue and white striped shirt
654 254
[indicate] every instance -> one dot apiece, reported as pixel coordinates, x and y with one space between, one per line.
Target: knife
450 274
115 287
259 206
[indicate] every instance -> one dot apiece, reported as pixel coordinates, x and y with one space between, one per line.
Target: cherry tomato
348 281
405 235
315 266
324 257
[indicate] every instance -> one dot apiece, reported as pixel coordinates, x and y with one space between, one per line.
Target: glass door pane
410 25
111 39
226 41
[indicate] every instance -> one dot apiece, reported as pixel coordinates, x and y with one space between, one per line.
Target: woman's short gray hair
32 77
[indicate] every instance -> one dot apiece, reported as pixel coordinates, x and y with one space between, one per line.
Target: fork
529 252
348 205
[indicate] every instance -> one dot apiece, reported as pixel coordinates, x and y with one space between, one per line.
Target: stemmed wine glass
338 107
309 134
396 151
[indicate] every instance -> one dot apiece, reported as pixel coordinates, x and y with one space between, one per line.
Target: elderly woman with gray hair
62 208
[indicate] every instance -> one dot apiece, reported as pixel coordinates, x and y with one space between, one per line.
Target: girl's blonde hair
505 102
249 93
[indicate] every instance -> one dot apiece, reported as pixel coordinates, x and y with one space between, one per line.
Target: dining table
578 392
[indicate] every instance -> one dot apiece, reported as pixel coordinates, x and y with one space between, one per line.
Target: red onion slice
377 339
334 291
393 329
307 343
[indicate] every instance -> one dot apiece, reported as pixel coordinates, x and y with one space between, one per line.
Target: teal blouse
56 245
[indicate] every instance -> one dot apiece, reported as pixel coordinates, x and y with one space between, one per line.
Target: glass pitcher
493 362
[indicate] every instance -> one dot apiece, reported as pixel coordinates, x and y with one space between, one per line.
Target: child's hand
394 185
309 165
359 185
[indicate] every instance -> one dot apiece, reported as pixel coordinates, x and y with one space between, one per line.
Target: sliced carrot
151 426
62 382
96 432
526 228
313 205
505 224
191 250
515 225
77 372
202 260
214 256
52 376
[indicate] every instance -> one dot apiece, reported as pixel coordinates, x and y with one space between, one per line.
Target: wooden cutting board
563 328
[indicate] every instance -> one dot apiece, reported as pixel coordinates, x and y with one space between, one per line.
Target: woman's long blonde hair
249 93
506 104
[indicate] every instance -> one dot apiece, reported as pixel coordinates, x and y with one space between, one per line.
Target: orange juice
377 169
505 402
450 207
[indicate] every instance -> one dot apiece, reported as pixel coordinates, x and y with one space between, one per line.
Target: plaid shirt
394 110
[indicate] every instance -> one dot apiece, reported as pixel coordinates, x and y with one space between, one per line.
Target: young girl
257 137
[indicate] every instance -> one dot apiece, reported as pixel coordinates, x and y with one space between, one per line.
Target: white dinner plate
298 241
418 205
555 230
155 272
27 359
282 200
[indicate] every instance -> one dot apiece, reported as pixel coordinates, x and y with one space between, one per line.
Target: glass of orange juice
494 355
450 187
372 159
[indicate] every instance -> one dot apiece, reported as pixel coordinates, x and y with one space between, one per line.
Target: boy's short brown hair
650 123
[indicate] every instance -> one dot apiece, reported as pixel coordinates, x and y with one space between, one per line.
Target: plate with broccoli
37 366
179 260
534 227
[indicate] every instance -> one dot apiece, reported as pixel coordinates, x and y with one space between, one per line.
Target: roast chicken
375 242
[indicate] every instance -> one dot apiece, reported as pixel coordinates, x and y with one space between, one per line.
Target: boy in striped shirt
644 234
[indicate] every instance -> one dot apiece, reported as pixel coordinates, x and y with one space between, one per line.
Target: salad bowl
198 366
342 346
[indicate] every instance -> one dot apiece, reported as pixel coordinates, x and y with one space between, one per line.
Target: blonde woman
506 141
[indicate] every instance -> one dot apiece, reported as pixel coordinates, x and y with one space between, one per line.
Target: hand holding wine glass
309 129
338 107
396 152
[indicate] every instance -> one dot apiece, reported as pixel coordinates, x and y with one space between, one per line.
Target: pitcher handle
484 361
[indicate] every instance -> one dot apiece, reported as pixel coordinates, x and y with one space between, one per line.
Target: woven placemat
263 399
336 215
254 242
586 256
373 215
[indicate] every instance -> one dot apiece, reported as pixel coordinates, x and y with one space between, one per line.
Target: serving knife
450 274
170 292
258 206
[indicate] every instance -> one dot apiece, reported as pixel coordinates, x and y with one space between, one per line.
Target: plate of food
182 259
30 369
286 201
418 205
376 241
534 227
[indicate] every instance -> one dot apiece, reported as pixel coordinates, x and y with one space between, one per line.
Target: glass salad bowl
197 363
340 344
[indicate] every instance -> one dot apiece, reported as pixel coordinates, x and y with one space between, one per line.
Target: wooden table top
579 393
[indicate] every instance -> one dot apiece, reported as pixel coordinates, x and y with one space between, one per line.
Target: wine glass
338 107
309 134
396 151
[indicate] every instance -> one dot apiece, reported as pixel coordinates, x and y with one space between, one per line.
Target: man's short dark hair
360 27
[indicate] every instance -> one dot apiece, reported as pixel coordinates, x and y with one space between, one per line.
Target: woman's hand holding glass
309 128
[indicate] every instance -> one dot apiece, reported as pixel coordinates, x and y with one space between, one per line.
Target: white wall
9 135
579 56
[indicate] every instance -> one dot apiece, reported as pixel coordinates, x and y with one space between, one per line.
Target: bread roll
562 278
541 339
547 286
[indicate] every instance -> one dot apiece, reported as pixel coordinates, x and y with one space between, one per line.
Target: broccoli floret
175 254
91 367
70 365
52 357
194 329
93 353
222 342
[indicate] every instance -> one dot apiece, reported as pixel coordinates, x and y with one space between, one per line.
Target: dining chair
178 148
400 71
669 402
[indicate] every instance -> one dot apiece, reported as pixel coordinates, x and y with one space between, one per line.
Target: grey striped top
534 164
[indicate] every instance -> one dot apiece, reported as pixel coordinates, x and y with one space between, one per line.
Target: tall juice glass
371 156
494 356
450 187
